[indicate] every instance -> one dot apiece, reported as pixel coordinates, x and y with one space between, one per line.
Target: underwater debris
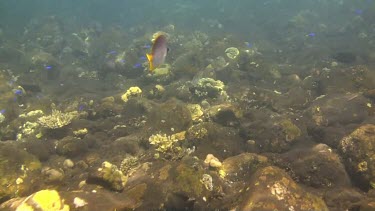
232 52
131 92
57 119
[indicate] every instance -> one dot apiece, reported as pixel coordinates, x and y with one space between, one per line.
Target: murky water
259 105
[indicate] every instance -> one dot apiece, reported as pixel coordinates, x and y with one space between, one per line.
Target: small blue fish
358 11
312 34
81 107
48 67
2 111
143 58
18 92
122 61
137 65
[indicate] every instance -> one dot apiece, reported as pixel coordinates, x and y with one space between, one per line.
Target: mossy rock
16 166
358 152
171 115
271 188
188 180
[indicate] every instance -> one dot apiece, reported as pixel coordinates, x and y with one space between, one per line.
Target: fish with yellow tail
159 51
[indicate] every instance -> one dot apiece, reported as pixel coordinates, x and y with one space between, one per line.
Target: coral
208 87
212 161
32 114
166 145
207 182
44 200
196 111
131 92
128 164
57 119
81 132
162 71
232 52
113 176
198 132
157 91
163 142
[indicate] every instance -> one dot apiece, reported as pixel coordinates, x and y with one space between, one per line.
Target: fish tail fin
149 58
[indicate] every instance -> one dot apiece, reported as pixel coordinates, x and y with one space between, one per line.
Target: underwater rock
342 109
42 149
242 166
18 169
71 146
370 94
276 134
212 138
128 144
343 198
188 179
171 116
188 63
318 166
345 57
357 150
225 114
52 176
273 187
108 107
217 64
45 65
108 176
67 164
